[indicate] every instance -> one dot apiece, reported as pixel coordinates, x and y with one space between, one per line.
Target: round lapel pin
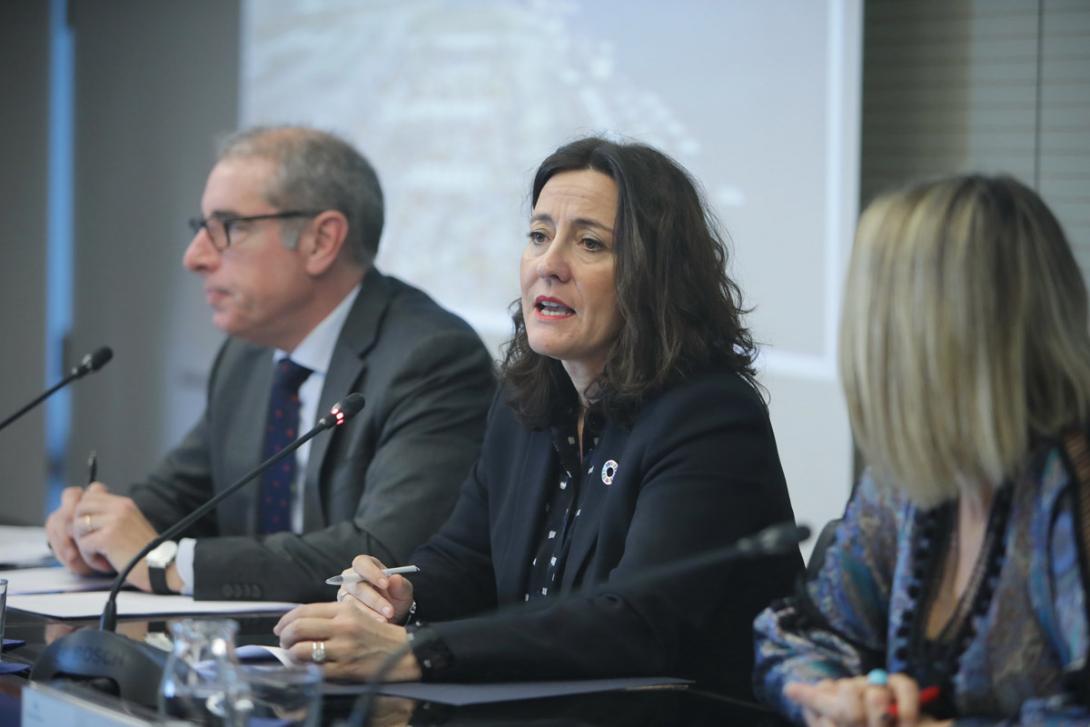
609 471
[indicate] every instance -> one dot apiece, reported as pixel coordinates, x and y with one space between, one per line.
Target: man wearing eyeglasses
289 228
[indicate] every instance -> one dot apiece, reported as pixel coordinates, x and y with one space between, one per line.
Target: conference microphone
777 539
91 362
135 667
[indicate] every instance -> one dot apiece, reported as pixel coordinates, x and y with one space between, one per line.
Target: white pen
355 577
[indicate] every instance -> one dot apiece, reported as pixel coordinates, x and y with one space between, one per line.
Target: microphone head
352 405
778 538
94 361
344 410
99 358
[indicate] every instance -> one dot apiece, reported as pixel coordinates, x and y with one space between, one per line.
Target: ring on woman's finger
87 526
878 677
317 651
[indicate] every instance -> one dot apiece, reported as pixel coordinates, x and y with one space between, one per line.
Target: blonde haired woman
955 585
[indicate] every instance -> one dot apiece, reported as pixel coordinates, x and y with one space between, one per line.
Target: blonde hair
963 335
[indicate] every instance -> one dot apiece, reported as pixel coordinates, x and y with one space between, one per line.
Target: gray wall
24 35
156 83
981 85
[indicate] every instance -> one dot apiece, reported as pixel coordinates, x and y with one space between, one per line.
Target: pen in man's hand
355 577
92 467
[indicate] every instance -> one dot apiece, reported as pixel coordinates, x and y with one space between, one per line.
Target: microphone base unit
132 669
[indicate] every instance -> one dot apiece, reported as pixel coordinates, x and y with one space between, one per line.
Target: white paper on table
135 603
23 545
257 653
52 580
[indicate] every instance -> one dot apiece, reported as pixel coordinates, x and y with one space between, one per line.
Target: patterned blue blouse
1025 648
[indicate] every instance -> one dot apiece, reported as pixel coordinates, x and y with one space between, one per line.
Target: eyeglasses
219 228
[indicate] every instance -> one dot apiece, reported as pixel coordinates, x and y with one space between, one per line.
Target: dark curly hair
680 313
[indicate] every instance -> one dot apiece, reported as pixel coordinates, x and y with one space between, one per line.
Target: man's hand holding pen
94 531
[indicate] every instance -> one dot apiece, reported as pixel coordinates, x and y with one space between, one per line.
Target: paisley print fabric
1025 663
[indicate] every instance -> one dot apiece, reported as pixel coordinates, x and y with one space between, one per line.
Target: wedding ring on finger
317 651
87 526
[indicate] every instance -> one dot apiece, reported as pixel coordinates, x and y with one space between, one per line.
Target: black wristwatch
431 652
158 562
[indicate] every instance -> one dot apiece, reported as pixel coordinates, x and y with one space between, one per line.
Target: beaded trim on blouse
933 662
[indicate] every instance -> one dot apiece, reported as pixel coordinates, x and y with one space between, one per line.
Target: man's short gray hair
317 170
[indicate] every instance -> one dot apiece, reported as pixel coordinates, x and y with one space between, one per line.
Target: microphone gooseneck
341 412
133 666
91 362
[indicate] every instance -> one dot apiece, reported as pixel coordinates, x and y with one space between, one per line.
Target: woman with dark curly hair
630 433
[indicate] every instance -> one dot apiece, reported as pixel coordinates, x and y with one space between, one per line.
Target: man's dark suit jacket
381 484
697 470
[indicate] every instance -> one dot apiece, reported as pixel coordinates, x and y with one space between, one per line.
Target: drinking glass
201 679
285 695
